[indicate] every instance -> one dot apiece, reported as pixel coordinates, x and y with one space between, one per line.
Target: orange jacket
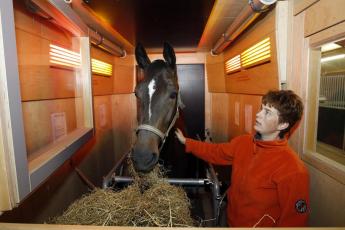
269 183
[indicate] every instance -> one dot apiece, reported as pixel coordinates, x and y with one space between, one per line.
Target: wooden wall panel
327 200
258 79
124 122
327 207
37 78
301 5
124 75
235 118
242 113
36 25
332 13
37 121
5 196
219 117
102 85
215 73
251 104
100 158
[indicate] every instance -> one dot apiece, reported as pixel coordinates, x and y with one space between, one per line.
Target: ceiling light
331 58
329 46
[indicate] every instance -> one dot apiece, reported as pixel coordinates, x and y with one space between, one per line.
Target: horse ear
141 56
169 55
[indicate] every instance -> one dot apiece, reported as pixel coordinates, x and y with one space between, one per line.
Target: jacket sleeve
293 194
221 154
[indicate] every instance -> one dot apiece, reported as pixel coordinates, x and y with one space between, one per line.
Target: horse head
158 100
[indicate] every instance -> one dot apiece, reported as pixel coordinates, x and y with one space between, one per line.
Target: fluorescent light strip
257 61
329 46
100 67
257 54
257 51
64 57
64 50
331 58
64 61
233 64
256 45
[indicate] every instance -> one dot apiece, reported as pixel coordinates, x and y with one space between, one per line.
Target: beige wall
315 23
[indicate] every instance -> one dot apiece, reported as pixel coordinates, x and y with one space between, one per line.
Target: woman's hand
180 136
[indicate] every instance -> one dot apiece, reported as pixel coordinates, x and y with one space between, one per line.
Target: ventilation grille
101 68
233 65
257 54
63 57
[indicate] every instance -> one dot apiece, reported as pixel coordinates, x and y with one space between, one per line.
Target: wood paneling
242 109
219 117
296 79
124 75
37 121
235 118
124 122
183 58
253 104
38 80
6 201
102 85
326 175
332 13
101 156
215 73
327 207
261 78
301 5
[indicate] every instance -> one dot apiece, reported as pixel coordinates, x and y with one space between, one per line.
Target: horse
158 100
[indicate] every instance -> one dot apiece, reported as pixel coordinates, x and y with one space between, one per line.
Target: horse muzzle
144 161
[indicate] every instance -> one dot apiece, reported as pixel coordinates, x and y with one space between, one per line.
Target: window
331 105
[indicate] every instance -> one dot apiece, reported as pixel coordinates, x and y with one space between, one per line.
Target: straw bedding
149 201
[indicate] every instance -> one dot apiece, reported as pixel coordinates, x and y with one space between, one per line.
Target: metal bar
84 178
216 197
174 181
111 173
245 18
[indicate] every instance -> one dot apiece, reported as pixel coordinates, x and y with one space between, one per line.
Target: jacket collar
269 145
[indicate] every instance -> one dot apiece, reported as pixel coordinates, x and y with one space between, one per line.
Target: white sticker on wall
237 113
248 118
102 113
59 126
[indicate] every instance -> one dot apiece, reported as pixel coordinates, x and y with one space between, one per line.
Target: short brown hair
288 104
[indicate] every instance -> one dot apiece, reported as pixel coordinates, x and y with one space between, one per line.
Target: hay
149 201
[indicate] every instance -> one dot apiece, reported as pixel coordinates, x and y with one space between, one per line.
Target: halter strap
156 131
151 129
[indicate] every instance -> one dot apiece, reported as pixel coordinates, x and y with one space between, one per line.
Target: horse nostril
145 162
153 161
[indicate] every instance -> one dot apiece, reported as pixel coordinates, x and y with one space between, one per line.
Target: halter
159 133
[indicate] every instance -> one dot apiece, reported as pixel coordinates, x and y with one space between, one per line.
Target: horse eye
173 95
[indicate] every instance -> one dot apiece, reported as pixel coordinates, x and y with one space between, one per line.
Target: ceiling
189 25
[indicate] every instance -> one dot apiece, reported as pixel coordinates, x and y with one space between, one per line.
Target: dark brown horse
158 106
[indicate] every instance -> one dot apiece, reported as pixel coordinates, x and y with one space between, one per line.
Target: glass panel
49 63
331 117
